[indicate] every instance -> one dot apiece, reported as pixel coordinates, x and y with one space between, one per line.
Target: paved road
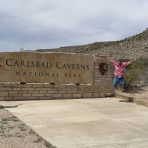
86 123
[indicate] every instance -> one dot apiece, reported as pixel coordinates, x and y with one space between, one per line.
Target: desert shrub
135 70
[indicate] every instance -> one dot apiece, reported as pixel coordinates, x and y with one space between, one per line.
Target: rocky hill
129 48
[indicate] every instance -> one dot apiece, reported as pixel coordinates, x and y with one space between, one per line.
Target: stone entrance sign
59 68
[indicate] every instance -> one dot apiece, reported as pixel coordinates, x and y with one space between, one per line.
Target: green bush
134 71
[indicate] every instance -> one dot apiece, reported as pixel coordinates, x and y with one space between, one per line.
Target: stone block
25 85
48 95
16 89
16 98
56 89
77 95
10 85
2 94
27 88
43 91
33 92
75 88
26 95
96 95
14 94
34 98
37 95
2 98
109 94
37 85
67 96
46 98
8 98
1 84
87 95
57 96
5 88
102 95
52 92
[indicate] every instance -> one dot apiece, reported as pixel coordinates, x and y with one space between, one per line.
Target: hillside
129 48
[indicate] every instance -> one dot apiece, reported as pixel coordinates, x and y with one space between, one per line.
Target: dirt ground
143 93
139 96
15 134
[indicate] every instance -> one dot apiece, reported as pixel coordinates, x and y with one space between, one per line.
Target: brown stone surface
46 67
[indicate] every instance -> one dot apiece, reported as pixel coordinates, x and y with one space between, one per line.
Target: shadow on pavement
10 106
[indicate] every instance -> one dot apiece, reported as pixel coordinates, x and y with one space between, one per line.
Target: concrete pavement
85 123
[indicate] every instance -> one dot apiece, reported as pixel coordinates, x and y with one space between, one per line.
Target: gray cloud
37 24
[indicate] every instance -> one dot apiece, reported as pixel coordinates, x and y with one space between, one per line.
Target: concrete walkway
86 123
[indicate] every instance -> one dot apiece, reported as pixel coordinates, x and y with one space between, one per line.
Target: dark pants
118 81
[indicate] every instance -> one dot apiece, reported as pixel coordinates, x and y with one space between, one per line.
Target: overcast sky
34 24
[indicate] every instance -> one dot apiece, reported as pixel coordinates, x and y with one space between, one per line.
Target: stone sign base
48 91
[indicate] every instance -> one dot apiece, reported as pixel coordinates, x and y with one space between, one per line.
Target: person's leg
115 82
122 84
125 86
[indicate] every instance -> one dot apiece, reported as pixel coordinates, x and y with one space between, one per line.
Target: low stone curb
132 98
126 97
1 107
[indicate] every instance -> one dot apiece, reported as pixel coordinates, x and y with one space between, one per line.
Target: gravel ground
15 134
141 93
137 96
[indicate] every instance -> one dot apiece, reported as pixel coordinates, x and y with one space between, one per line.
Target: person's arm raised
127 63
131 61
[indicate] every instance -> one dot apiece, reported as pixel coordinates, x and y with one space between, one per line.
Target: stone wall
101 87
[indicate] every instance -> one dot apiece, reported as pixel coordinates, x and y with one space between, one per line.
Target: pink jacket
119 70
